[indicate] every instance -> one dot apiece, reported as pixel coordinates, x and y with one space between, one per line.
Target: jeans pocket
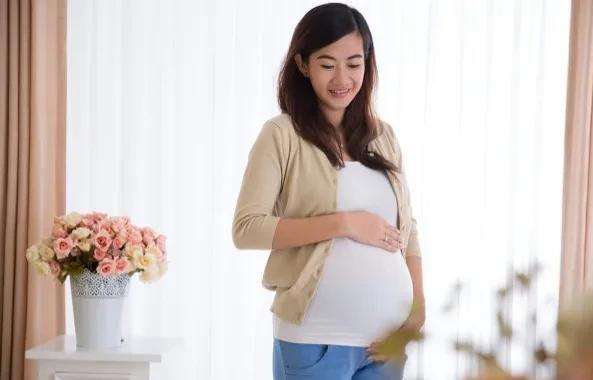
302 358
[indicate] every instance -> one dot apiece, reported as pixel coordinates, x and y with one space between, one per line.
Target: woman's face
336 72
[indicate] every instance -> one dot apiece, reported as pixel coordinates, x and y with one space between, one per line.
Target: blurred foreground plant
573 359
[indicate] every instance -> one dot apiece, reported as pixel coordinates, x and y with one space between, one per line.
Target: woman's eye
329 67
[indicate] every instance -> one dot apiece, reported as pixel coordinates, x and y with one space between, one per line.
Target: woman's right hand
371 229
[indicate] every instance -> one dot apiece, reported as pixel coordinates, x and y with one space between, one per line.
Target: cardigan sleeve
413 246
254 223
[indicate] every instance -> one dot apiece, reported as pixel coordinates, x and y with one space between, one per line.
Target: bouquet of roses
109 246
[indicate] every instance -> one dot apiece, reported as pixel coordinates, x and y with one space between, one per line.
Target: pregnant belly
364 291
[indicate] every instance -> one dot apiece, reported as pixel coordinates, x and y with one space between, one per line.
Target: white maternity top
364 291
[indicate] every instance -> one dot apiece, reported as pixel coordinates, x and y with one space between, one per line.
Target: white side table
136 359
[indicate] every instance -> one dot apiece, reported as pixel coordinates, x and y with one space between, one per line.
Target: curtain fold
577 214
32 172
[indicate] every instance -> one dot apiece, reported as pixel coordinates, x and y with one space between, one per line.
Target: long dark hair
320 27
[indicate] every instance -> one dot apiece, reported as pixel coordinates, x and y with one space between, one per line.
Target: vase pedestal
138 358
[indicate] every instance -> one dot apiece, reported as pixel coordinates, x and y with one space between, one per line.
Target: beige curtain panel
577 224
32 172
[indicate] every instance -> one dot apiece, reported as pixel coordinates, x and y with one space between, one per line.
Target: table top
135 349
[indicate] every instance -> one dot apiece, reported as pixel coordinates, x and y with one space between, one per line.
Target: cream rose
150 274
42 267
33 253
154 251
72 219
145 261
84 245
46 253
81 233
60 221
134 251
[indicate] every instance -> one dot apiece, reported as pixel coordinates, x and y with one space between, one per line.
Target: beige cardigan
287 176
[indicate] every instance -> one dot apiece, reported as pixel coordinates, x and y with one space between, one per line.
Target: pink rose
121 238
106 267
102 240
148 235
87 221
160 255
59 220
122 265
101 225
95 228
119 241
116 224
134 236
97 216
62 247
99 255
54 268
106 225
161 241
58 232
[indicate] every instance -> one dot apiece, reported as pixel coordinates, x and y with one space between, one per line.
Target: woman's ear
301 65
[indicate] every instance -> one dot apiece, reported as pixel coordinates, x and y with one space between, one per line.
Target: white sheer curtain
166 98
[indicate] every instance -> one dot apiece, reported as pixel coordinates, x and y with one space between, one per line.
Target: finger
388 245
392 228
392 244
391 233
395 237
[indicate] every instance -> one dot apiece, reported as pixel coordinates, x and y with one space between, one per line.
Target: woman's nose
340 78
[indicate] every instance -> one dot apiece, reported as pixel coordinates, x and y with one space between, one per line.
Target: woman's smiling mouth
340 93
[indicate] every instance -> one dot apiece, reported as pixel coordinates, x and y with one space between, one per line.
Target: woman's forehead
347 47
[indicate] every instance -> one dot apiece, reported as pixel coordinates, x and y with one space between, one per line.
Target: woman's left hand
393 346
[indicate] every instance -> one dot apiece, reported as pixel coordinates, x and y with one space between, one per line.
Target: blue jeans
296 361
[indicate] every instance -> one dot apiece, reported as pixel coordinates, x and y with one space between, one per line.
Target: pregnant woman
324 190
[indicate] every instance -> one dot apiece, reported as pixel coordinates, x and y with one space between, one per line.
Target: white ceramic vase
98 309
